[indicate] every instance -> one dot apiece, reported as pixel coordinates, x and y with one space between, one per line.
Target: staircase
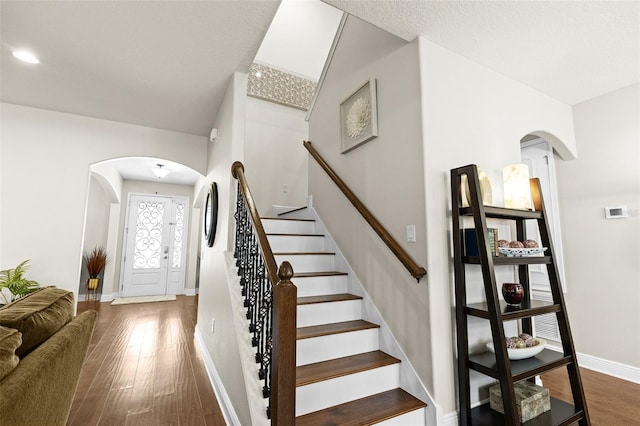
342 377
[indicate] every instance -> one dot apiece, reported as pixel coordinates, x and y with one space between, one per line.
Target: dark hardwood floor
142 368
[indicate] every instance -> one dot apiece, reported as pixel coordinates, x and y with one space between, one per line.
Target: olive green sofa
42 349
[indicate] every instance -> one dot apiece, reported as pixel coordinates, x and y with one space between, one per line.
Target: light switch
411 233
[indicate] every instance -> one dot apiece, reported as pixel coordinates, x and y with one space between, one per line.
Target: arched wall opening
109 183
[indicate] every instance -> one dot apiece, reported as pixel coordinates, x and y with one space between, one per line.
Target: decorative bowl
520 252
523 353
512 293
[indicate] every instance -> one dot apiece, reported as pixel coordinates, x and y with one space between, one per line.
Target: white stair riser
320 395
320 286
323 348
325 313
415 417
292 243
288 226
308 262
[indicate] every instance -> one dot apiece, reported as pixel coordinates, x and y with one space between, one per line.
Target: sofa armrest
40 390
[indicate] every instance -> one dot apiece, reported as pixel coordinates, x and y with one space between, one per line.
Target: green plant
95 260
14 281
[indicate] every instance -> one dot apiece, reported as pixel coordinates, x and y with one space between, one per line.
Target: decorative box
532 399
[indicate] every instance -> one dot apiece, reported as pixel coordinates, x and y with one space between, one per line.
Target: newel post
283 380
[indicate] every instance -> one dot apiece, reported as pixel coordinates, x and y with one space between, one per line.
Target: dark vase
512 293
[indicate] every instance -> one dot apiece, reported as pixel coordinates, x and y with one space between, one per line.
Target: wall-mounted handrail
414 269
271 301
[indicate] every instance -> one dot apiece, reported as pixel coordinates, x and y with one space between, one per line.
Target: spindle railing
270 299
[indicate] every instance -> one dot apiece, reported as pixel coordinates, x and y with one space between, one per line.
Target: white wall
471 114
274 155
602 256
96 226
300 37
45 174
386 173
214 299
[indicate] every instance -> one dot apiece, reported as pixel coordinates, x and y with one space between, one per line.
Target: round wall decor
211 214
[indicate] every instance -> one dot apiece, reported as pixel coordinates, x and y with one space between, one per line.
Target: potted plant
14 285
95 261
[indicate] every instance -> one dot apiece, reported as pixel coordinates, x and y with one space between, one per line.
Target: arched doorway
112 182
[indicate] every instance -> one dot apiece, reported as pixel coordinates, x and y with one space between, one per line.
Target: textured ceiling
162 64
570 50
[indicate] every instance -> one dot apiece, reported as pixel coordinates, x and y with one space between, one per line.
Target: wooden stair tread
333 328
318 274
303 253
294 235
365 411
288 218
309 300
338 367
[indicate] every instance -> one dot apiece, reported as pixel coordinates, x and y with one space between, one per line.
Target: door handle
166 250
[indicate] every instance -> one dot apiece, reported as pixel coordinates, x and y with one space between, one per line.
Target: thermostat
618 212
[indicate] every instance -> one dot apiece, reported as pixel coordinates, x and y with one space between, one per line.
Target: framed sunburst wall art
359 117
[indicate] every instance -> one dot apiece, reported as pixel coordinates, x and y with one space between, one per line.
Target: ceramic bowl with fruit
519 248
522 346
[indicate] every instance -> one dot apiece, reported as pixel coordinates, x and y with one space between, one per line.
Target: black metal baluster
256 289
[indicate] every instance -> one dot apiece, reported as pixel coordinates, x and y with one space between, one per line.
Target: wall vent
546 326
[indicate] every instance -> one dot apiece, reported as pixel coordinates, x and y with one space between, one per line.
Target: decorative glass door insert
154 258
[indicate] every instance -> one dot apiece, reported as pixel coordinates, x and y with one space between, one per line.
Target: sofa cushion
38 316
10 340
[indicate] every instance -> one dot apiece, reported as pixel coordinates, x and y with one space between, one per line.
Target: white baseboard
190 291
228 412
449 419
604 366
108 297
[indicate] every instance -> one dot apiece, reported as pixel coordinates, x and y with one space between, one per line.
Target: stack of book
471 242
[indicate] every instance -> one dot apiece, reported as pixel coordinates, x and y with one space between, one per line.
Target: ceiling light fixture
160 172
26 56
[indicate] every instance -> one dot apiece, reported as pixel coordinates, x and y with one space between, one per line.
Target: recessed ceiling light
26 56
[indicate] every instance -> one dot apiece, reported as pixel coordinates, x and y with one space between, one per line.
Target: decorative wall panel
271 84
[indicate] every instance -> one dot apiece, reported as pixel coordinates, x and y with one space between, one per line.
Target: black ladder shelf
496 311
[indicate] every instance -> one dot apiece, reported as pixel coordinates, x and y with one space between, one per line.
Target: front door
154 255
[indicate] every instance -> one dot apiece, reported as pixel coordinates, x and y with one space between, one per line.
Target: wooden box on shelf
532 399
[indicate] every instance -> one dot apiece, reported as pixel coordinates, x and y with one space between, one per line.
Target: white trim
552 206
449 419
605 366
327 63
108 297
190 291
228 412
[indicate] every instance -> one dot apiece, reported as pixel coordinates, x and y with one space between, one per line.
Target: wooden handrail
237 171
414 269
284 310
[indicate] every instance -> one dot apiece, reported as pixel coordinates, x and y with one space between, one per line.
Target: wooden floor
143 368
610 401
